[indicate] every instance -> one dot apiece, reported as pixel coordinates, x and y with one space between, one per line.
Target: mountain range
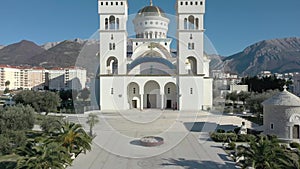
277 56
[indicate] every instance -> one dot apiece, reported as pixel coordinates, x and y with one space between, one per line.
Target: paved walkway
187 144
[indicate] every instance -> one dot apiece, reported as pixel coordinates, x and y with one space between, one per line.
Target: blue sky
231 25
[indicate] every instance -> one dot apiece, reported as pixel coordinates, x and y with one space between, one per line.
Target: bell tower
190 34
113 36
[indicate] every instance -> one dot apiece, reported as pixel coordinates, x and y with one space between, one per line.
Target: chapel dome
151 11
284 98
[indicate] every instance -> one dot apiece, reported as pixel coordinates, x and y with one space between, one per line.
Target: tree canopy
40 101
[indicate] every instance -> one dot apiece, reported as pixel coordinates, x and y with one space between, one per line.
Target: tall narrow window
114 46
197 23
112 22
191 91
134 91
110 46
191 20
112 91
169 90
185 24
272 126
106 23
118 24
112 37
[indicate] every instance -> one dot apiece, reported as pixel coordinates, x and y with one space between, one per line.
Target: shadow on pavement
207 126
195 164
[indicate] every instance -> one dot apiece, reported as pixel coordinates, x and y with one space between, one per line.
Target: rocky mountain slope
19 53
278 55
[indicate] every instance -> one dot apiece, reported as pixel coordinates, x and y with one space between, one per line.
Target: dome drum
151 23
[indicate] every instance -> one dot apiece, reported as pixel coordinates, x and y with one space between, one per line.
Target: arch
152 97
112 65
191 65
140 51
191 20
185 24
151 35
112 22
133 92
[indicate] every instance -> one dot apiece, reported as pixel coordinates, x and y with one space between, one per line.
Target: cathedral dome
151 11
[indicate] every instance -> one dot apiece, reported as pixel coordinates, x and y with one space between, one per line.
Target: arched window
106 23
112 22
156 35
191 20
151 35
118 24
146 34
112 65
185 24
197 23
192 61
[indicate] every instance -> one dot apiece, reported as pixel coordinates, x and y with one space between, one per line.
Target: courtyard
186 140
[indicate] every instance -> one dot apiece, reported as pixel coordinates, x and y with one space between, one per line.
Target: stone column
162 101
142 101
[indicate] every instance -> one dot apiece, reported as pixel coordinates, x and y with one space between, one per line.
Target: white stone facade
151 77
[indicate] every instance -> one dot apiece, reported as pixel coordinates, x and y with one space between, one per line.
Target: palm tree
264 153
92 120
74 138
43 156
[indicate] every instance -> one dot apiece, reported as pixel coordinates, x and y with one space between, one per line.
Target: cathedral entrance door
169 104
134 104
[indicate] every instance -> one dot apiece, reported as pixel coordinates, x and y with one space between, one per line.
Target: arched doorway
133 92
170 96
152 95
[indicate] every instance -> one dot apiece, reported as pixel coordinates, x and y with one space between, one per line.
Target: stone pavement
187 144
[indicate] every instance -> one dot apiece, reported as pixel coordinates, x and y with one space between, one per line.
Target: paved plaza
186 140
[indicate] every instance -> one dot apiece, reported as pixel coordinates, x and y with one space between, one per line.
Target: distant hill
19 53
68 53
62 55
278 55
1 47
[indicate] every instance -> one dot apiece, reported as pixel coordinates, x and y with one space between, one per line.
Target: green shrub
237 130
220 131
230 131
246 137
295 145
231 136
231 146
223 137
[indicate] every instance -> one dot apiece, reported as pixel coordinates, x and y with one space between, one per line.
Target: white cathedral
143 72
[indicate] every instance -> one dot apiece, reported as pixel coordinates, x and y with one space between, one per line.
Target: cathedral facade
143 72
